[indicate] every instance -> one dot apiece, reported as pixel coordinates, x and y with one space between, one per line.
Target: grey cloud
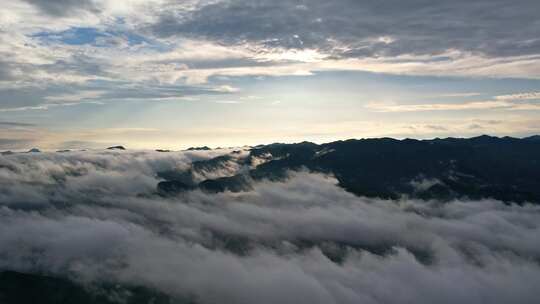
15 124
6 73
150 92
352 28
25 89
59 8
230 63
436 128
15 98
106 91
304 240
77 64
475 127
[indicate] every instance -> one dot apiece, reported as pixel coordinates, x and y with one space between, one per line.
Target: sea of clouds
95 216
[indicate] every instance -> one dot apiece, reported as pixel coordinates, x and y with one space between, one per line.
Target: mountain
22 288
116 148
506 169
205 148
533 138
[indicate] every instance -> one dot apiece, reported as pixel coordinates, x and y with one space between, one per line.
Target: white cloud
469 94
228 101
227 89
520 96
98 220
477 105
504 102
70 98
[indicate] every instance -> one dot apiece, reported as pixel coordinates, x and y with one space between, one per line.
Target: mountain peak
116 148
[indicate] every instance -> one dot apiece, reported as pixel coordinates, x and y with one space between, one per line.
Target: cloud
65 47
362 29
10 124
520 96
470 94
475 127
227 89
47 106
477 105
77 97
59 8
59 51
498 103
228 101
92 216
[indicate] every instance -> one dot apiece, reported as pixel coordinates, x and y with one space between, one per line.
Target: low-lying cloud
95 217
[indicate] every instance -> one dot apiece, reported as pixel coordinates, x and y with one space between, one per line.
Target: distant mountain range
506 168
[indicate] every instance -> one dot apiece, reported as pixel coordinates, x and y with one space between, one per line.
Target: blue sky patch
92 36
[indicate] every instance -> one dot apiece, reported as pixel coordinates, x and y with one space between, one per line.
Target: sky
173 74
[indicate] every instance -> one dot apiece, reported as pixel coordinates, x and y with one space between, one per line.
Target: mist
96 216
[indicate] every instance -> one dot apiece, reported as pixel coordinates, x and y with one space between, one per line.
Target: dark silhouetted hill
116 148
21 288
506 169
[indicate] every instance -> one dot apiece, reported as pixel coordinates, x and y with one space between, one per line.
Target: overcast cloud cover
188 41
95 217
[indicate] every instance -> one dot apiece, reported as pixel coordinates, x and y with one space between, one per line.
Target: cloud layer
366 28
100 59
94 216
65 47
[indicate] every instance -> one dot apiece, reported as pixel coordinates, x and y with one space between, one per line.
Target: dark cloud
15 124
29 90
102 92
92 216
61 8
353 28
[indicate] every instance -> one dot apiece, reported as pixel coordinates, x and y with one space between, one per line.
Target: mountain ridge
503 168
